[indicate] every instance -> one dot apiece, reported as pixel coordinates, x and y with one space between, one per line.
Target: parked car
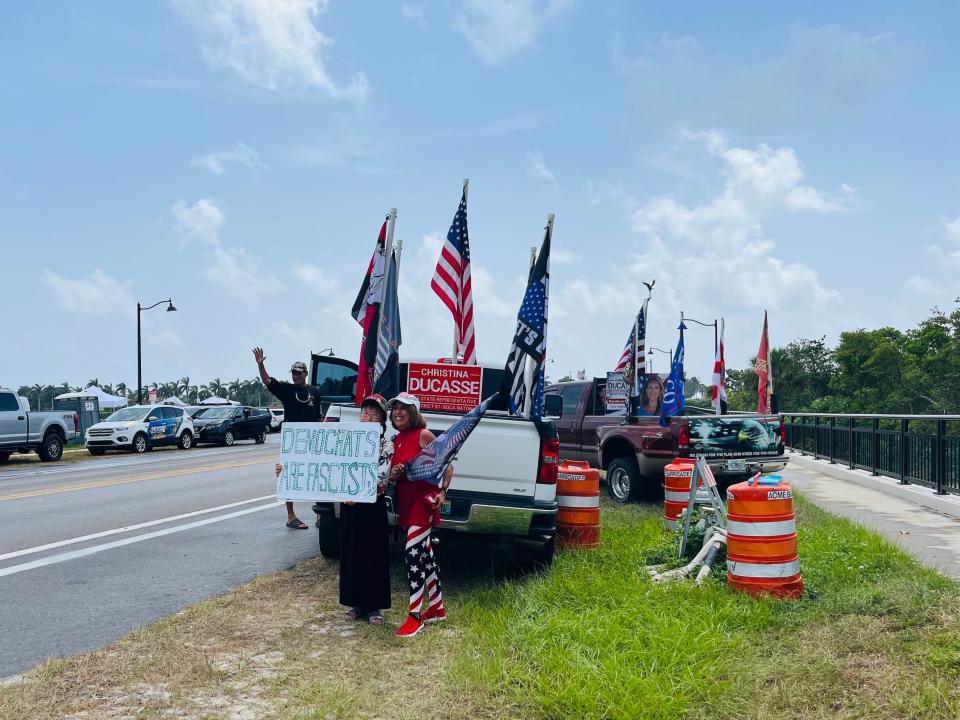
505 476
23 430
276 419
194 410
141 428
635 450
225 424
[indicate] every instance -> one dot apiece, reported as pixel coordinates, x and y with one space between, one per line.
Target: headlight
121 428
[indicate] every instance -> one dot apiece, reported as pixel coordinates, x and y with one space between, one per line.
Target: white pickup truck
24 431
505 475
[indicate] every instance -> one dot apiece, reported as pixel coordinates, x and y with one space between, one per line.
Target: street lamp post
713 325
170 308
665 352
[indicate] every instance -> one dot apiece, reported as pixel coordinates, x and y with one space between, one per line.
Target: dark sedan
227 424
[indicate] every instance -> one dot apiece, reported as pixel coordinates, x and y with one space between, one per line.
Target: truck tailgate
730 436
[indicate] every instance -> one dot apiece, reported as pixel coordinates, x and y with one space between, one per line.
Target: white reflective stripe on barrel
671 496
762 529
764 570
577 501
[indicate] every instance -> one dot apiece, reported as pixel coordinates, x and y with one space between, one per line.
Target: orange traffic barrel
578 500
676 489
762 556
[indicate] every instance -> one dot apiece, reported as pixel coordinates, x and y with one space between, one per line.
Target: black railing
919 449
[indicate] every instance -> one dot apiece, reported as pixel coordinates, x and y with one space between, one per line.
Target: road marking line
127 528
84 552
124 481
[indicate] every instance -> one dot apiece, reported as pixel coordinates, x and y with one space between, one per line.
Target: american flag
451 281
530 339
430 462
625 363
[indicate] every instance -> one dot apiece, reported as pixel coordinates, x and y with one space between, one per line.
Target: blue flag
673 403
430 463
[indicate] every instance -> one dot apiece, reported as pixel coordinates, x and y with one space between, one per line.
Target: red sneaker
434 614
411 627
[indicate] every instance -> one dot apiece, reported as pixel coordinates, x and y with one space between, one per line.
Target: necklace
308 401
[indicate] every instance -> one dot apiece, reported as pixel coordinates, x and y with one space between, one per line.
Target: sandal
376 618
352 613
296 524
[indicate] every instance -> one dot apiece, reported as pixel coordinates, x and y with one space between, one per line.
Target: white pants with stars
422 570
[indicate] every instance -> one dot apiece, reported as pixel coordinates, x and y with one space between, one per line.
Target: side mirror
152 418
553 405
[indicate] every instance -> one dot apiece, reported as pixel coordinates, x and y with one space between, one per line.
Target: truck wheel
329 537
4 456
140 443
51 449
261 438
623 475
228 438
186 440
96 451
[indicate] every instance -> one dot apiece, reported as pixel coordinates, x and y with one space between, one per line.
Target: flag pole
387 251
456 330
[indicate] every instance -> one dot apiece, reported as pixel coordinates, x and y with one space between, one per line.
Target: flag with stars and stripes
451 282
635 348
530 338
430 463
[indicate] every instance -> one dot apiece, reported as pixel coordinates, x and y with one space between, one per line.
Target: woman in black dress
364 540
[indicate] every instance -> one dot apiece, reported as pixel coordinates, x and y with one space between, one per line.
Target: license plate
736 465
445 508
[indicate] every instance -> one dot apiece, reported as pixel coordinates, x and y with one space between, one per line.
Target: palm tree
35 393
202 393
121 389
217 388
233 390
107 388
95 381
183 385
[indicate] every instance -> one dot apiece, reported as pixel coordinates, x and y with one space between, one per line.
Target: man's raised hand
258 355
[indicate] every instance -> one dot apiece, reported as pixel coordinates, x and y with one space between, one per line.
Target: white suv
141 428
276 419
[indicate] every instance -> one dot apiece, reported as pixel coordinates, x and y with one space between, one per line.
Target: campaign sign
329 462
450 388
616 393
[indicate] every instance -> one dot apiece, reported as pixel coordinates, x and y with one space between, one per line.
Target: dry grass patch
276 647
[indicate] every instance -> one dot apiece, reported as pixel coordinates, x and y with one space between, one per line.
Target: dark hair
416 419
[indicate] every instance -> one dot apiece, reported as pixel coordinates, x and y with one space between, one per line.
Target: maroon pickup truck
635 450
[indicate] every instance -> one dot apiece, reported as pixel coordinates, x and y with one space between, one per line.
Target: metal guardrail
914 449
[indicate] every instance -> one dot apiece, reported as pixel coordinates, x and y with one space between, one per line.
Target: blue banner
673 403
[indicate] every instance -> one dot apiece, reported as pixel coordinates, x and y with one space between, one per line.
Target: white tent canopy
106 401
218 401
173 401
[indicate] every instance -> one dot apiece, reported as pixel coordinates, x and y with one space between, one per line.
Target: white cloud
239 272
563 256
499 29
163 338
96 294
952 228
201 221
415 12
238 153
539 170
271 43
316 279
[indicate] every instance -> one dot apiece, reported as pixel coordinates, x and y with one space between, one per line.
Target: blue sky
239 156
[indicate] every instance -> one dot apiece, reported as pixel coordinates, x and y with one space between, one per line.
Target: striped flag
638 340
366 311
451 282
430 463
719 370
530 338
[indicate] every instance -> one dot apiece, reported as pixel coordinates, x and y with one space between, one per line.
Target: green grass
876 635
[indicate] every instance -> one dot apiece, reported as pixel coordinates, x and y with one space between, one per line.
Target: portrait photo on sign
651 394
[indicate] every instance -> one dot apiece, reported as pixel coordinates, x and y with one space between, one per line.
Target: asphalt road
93 550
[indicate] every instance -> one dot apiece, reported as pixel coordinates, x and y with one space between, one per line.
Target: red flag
762 368
719 369
366 311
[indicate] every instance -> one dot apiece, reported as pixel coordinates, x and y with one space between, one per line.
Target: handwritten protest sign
329 463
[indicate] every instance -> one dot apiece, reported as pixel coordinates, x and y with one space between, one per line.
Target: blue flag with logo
673 403
430 462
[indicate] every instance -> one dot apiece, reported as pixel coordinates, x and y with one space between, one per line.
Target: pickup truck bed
635 450
23 430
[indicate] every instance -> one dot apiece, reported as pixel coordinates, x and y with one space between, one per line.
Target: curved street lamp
713 324
665 352
140 309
